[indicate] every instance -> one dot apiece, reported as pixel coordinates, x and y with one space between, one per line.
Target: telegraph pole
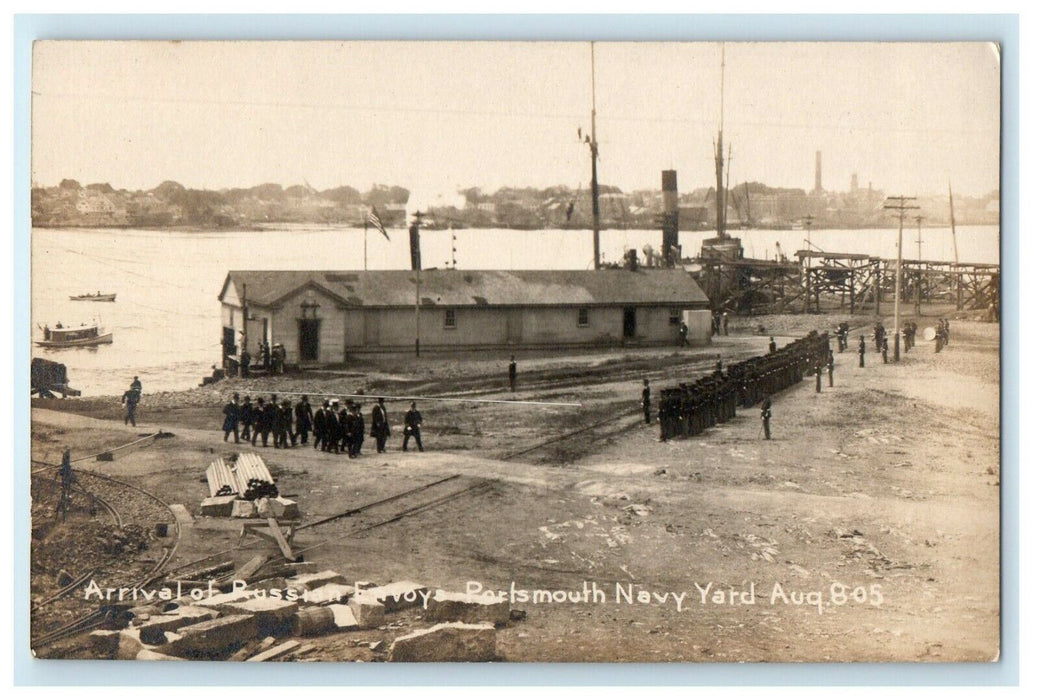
899 204
417 267
594 147
917 283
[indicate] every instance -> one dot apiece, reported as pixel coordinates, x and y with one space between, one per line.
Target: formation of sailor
693 407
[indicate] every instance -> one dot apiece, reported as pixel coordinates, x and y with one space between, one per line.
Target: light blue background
1002 28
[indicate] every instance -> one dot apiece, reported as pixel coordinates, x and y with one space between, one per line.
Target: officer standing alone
767 413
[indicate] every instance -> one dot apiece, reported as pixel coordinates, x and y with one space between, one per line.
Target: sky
439 116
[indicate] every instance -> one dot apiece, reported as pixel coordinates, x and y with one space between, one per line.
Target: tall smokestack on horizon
670 220
819 172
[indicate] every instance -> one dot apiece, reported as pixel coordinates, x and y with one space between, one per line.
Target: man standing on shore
772 345
412 428
512 373
646 401
767 413
380 425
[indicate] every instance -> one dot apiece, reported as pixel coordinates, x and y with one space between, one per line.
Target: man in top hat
380 425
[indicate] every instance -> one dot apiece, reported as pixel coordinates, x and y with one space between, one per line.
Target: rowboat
93 297
84 336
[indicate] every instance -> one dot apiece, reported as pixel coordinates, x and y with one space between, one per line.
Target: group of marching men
337 429
690 408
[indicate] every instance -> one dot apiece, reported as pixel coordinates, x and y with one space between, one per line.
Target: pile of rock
243 624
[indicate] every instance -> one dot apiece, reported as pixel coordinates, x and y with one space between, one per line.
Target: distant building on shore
322 317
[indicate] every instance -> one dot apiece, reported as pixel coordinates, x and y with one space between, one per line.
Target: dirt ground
867 529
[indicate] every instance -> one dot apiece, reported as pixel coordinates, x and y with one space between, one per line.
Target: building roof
396 288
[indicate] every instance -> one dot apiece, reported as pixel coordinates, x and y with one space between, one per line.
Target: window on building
674 316
583 316
449 318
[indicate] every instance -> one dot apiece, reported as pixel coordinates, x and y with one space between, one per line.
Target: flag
373 218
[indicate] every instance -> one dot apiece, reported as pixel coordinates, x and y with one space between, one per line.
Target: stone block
450 606
343 617
152 631
398 595
217 506
330 593
243 509
448 641
367 611
308 582
284 508
272 616
212 636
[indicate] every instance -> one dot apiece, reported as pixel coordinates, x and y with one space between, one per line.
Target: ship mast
953 225
720 201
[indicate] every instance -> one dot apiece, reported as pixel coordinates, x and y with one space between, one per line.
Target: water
166 318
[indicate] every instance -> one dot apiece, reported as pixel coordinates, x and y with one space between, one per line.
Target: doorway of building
309 328
629 323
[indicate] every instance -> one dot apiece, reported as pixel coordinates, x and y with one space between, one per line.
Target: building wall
474 327
331 333
699 323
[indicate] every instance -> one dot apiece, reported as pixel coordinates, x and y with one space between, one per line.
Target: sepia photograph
515 351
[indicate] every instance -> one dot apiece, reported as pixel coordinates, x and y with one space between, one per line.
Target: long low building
323 317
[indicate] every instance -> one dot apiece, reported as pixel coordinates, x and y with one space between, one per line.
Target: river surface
166 319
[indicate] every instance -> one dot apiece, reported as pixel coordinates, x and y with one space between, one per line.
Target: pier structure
815 281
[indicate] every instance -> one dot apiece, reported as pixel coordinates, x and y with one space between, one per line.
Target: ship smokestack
819 172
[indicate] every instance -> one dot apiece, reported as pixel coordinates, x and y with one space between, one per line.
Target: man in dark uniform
767 413
830 369
412 428
646 401
136 386
380 425
819 377
718 364
512 373
862 350
278 423
320 426
884 349
131 397
263 419
288 436
772 345
344 423
244 361
231 411
245 417
358 426
304 420
684 331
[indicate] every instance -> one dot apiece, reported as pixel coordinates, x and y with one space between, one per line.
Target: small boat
94 297
84 336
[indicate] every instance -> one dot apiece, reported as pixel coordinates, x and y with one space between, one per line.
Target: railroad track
134 505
